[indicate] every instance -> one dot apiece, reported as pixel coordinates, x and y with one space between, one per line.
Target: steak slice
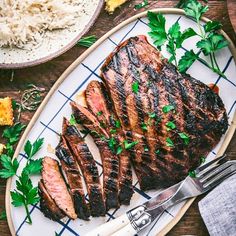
110 161
71 170
48 205
99 103
163 97
56 187
88 167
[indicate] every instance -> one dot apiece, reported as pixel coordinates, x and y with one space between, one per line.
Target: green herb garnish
185 138
157 151
135 87
144 126
129 145
203 159
119 150
146 149
112 144
169 142
87 41
170 125
152 115
117 124
99 113
168 108
141 5
3 215
9 167
72 120
113 131
192 174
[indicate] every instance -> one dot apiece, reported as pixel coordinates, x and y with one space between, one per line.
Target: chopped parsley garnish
113 131
168 108
117 124
72 120
119 150
141 5
146 149
202 159
135 87
185 138
99 113
192 174
144 126
170 125
152 115
157 151
102 125
112 143
129 145
169 142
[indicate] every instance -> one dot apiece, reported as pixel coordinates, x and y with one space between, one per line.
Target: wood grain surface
12 83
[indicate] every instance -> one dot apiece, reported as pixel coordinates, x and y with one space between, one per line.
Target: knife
114 225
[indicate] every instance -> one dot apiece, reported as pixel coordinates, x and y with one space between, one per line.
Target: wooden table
46 74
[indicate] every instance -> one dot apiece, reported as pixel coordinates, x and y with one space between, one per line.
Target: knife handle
110 227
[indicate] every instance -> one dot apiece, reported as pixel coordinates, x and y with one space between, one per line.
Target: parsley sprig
25 193
211 41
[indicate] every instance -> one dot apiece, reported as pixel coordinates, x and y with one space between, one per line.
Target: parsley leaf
119 150
99 113
10 167
192 174
212 26
72 120
195 10
3 215
33 167
170 125
203 159
144 126
112 143
187 60
152 115
141 5
135 87
169 142
157 151
168 108
185 138
87 41
157 24
31 149
129 145
117 124
188 33
113 131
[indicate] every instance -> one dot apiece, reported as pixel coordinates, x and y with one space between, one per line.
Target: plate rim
60 51
65 74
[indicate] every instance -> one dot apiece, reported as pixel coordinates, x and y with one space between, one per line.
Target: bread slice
6 111
111 5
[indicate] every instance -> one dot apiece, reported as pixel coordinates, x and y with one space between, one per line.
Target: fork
118 223
204 181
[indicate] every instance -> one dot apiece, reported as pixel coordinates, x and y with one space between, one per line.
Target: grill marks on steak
199 112
48 205
88 167
71 170
109 160
56 188
99 103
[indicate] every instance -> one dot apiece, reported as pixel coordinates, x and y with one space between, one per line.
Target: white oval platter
48 119
54 42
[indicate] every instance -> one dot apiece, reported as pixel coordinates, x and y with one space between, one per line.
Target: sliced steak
110 161
56 187
48 205
162 155
74 179
88 167
100 104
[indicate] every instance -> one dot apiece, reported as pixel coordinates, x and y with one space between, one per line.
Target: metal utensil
120 222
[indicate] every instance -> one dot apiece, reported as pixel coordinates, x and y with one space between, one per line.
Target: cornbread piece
6 111
111 5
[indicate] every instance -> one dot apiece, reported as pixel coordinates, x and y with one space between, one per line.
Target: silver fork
204 181
120 222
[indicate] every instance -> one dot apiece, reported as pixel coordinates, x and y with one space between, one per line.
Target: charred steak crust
88 167
109 160
48 205
71 170
99 104
56 187
198 112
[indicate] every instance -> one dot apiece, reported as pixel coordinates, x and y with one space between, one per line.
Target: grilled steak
71 170
99 103
56 187
88 167
48 205
110 161
173 118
